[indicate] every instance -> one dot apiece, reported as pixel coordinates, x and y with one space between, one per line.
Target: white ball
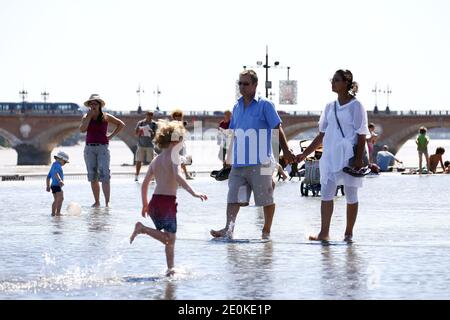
73 209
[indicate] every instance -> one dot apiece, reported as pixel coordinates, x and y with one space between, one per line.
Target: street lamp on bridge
376 91
23 94
157 92
139 91
388 91
45 95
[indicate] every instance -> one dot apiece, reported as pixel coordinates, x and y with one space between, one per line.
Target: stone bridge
34 136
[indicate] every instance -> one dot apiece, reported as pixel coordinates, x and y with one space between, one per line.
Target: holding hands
300 157
289 156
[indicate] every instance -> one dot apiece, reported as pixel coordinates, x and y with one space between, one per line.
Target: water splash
74 277
49 260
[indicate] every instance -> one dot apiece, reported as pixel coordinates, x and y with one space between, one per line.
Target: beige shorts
143 153
242 181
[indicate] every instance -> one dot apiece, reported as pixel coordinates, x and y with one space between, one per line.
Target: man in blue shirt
385 159
253 120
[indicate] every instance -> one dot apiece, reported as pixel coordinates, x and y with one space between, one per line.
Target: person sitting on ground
436 158
162 208
385 159
447 166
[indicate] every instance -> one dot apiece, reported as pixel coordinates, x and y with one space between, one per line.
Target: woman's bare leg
95 186
326 211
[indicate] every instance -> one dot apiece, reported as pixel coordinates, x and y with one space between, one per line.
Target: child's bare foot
265 235
96 205
170 272
221 233
137 230
319 237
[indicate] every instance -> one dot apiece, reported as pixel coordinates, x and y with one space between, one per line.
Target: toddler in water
57 176
162 209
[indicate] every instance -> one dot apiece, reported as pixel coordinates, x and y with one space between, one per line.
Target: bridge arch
293 130
12 139
37 151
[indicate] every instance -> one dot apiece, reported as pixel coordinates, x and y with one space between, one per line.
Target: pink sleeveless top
96 132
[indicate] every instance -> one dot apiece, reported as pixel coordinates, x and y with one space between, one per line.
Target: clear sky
194 50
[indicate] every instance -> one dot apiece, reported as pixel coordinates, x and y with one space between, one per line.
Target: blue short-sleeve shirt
56 168
252 127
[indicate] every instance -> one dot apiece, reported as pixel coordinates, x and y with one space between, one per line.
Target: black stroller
311 174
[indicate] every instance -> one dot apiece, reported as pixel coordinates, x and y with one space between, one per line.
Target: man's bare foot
53 214
170 272
348 238
221 233
96 205
319 238
137 230
265 235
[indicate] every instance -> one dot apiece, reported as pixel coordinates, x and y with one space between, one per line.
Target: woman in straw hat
96 152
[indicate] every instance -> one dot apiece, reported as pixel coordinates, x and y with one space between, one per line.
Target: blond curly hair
169 131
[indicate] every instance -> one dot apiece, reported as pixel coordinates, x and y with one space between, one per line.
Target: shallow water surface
401 247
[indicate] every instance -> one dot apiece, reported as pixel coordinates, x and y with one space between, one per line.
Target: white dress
337 150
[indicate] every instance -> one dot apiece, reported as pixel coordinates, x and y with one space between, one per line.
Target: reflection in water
169 293
99 219
58 224
251 271
341 272
160 289
80 256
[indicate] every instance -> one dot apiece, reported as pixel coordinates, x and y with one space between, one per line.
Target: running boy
162 209
57 176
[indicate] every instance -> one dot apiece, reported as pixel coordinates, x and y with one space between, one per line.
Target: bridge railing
402 113
411 113
42 112
211 113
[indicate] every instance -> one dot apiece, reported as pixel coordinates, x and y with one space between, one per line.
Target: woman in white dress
338 149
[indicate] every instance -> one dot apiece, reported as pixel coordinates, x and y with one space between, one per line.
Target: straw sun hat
95 97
